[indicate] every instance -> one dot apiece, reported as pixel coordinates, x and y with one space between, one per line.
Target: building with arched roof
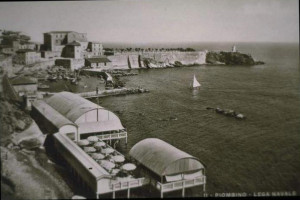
174 169
69 118
50 121
89 118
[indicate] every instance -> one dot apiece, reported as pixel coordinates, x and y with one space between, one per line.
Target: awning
192 176
174 178
96 127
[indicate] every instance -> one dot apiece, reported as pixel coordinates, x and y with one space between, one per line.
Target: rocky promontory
230 58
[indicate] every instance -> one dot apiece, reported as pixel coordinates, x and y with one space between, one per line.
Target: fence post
114 195
128 193
204 183
183 183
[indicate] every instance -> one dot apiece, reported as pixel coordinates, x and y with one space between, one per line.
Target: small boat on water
240 116
195 84
229 113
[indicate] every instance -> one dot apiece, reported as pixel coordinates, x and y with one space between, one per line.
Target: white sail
196 83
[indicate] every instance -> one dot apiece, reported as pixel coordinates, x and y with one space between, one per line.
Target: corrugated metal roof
71 105
163 158
98 60
52 115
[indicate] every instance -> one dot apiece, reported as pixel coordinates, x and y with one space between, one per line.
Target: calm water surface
261 153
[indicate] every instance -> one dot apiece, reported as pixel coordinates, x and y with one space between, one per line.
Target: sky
147 21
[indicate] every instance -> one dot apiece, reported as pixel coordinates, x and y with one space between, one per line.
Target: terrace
113 162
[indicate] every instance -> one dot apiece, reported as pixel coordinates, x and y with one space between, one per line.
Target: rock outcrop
230 58
30 138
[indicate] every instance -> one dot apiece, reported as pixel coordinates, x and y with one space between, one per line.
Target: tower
234 48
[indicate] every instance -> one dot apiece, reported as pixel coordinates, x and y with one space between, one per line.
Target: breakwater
113 92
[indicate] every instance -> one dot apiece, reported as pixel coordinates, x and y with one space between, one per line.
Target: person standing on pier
96 90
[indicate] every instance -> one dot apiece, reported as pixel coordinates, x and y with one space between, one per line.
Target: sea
258 155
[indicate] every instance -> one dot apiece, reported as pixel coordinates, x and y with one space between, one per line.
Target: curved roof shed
163 158
71 105
51 115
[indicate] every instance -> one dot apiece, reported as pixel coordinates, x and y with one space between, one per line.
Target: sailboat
195 84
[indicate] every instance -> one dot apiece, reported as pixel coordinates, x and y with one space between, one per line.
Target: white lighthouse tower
234 48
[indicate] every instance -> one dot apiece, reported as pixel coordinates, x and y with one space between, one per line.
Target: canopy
128 167
193 175
115 171
177 177
83 143
93 138
118 158
163 158
107 164
97 156
89 149
107 150
98 145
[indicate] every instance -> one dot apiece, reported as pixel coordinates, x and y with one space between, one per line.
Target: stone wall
50 54
158 59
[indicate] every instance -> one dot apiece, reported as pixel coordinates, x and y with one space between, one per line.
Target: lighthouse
234 48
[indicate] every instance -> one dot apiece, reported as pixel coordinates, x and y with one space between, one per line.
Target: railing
112 136
165 187
122 185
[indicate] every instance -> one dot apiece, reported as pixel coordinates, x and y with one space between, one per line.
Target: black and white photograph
126 99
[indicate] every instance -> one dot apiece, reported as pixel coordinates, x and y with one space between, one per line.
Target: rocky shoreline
26 172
